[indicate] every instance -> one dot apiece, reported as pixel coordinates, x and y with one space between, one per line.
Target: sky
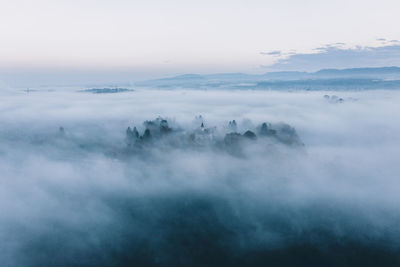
158 38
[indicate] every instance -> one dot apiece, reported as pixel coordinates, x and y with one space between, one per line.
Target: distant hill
355 78
106 90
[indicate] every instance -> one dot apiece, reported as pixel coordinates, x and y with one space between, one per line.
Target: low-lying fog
76 197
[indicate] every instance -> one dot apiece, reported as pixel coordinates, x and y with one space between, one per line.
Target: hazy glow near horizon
194 36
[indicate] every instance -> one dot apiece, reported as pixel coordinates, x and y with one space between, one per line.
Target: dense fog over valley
226 178
199 133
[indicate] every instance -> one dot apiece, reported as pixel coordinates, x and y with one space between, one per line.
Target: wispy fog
76 197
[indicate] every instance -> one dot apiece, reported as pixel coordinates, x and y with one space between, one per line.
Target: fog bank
77 198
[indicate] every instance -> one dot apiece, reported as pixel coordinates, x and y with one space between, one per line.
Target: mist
76 196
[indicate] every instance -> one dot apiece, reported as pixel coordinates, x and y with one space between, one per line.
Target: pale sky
172 36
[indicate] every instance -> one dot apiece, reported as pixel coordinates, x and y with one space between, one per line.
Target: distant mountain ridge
360 71
294 74
354 77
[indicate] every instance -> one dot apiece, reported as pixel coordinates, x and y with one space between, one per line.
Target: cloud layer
78 200
337 56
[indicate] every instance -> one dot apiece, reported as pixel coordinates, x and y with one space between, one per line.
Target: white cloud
338 56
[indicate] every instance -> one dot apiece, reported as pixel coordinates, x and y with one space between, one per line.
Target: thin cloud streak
338 57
